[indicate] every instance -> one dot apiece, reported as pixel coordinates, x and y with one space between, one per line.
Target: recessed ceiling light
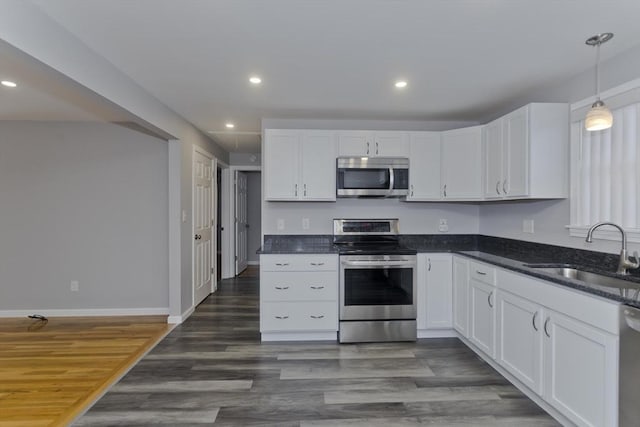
255 80
8 83
230 125
401 84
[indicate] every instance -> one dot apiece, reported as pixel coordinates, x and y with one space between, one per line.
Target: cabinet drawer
299 286
294 262
482 272
298 316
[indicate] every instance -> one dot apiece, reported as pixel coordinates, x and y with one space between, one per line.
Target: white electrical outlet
280 224
305 223
443 227
74 286
527 226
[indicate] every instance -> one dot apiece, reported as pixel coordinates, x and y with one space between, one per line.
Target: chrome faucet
624 264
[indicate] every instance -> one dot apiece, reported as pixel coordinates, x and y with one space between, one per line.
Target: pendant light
598 117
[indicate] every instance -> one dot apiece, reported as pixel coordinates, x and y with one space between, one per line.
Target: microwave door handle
391 181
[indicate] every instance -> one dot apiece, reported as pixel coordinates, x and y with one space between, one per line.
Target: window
606 174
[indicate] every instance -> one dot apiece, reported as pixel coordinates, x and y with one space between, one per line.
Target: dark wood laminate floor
213 370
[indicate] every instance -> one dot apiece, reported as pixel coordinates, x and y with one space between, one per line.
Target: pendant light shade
599 117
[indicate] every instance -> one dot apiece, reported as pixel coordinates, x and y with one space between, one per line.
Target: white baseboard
253 262
84 312
437 333
176 320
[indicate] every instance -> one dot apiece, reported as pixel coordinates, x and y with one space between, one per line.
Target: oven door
377 287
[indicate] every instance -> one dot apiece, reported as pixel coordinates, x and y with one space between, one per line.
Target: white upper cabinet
373 144
424 166
300 165
462 164
526 153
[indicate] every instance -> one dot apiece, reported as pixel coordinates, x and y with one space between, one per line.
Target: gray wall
85 202
254 203
244 159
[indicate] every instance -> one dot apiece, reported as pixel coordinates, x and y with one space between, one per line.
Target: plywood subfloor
50 372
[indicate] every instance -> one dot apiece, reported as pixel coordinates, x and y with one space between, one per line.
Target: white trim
437 333
253 262
175 224
181 318
614 91
88 312
299 336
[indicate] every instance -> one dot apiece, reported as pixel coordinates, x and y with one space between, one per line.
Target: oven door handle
380 263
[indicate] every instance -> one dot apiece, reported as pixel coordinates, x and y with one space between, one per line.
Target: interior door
202 226
241 222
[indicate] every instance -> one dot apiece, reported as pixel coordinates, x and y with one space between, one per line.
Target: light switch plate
305 223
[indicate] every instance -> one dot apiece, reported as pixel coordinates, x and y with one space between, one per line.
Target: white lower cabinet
434 298
520 339
461 295
560 344
482 316
581 371
298 297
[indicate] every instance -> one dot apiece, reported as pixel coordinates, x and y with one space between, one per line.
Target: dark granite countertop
298 244
520 267
507 253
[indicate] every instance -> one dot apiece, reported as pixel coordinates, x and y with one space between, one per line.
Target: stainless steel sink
625 288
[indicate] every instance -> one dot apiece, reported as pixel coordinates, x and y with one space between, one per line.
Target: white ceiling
338 59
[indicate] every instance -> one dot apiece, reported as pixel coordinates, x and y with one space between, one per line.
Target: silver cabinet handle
429 268
504 186
498 187
533 321
367 147
489 299
546 331
304 186
444 190
411 190
282 288
317 287
317 263
296 190
377 148
282 264
282 317
317 317
482 273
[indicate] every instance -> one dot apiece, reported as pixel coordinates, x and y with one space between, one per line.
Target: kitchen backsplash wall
415 218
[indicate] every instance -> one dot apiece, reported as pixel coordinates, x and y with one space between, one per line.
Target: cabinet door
482 316
581 371
460 296
355 143
519 343
493 160
424 169
318 166
281 164
391 144
462 163
439 293
516 173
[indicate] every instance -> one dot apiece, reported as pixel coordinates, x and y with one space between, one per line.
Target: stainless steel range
377 281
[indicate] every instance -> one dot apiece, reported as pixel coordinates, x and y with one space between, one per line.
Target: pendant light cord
598 71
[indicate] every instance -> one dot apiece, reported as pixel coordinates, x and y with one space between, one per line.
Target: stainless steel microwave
372 177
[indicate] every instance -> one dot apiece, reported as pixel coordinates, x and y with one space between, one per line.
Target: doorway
241 202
